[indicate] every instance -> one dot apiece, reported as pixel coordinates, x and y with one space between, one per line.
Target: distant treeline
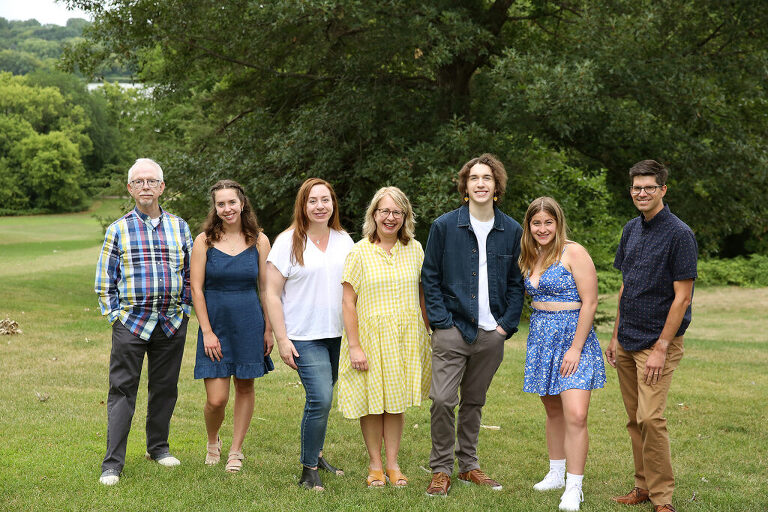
26 46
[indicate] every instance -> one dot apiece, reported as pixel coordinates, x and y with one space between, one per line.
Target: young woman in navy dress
563 361
227 275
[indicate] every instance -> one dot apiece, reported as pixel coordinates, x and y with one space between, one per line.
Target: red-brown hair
300 221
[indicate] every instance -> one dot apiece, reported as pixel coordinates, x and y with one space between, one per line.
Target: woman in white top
303 301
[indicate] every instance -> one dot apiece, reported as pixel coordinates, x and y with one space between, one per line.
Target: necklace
230 247
319 240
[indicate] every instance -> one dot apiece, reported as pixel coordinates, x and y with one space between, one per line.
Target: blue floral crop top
556 284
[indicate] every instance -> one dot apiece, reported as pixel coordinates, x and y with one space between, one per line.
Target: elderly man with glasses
142 280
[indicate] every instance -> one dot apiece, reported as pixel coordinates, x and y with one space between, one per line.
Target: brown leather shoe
633 497
440 484
664 508
478 477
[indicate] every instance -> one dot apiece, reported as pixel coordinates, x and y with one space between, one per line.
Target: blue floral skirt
550 336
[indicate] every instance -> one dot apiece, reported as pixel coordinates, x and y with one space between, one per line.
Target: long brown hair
300 221
529 247
213 225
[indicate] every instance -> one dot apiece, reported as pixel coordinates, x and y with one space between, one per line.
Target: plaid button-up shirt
142 276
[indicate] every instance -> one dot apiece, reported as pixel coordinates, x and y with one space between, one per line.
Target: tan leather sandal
375 478
396 478
234 461
214 453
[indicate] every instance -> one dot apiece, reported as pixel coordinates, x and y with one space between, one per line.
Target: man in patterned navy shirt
142 279
657 257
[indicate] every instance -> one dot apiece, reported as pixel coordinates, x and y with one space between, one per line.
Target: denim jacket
450 270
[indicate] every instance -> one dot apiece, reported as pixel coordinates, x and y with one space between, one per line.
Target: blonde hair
406 231
529 248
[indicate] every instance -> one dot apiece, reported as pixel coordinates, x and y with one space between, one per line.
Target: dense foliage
568 95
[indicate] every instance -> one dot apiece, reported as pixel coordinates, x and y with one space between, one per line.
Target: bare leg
372 426
393 433
555 426
575 409
217 392
244 398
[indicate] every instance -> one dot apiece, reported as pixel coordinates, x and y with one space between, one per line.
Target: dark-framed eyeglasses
150 183
649 189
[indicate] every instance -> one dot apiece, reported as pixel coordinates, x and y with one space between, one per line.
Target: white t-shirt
485 319
312 293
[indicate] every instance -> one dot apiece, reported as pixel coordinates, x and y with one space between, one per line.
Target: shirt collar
144 217
657 219
464 220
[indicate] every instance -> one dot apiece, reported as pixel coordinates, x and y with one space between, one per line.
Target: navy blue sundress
551 335
234 310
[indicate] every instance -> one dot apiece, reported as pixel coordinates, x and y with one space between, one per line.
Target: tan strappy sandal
234 461
214 453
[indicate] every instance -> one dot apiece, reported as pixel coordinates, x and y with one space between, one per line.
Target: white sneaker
553 480
166 459
571 499
109 477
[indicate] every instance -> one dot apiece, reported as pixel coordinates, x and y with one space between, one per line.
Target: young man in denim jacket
474 296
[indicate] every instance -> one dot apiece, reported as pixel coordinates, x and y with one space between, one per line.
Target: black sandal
326 466
310 479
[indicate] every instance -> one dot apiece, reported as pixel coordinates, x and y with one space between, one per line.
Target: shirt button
473 295
474 250
474 273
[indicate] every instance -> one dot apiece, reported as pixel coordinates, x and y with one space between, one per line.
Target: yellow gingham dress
391 330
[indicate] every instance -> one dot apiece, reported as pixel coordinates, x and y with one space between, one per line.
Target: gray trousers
163 364
468 368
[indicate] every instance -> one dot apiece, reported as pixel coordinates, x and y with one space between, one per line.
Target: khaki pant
458 365
647 425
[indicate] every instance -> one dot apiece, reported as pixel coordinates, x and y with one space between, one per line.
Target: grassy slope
51 451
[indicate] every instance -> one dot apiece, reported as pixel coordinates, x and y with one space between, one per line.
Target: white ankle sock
573 480
557 465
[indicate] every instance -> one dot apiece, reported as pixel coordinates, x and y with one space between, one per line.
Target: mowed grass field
53 389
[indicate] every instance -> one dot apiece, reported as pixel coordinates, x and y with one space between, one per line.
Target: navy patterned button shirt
652 255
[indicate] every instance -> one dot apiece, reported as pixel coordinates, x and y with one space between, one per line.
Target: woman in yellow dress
386 362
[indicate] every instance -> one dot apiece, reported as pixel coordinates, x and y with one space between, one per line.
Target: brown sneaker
664 508
440 484
478 477
633 497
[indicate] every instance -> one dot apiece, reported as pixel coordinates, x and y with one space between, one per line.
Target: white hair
142 162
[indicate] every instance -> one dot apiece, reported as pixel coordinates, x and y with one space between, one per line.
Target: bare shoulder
262 241
575 254
199 242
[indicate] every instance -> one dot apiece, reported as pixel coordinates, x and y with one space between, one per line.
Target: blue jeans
318 365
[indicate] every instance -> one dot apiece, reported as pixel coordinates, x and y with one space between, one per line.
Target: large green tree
568 94
42 140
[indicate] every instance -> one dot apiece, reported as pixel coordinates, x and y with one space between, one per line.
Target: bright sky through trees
44 11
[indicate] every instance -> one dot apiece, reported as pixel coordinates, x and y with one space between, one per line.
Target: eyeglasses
386 212
650 189
150 183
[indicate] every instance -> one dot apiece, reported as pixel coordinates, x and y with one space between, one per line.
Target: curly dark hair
497 169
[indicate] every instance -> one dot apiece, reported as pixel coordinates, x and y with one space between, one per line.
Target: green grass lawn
51 451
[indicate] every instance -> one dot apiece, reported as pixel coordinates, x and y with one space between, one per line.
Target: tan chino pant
647 425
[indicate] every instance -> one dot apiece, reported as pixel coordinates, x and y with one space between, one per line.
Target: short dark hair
497 169
650 168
